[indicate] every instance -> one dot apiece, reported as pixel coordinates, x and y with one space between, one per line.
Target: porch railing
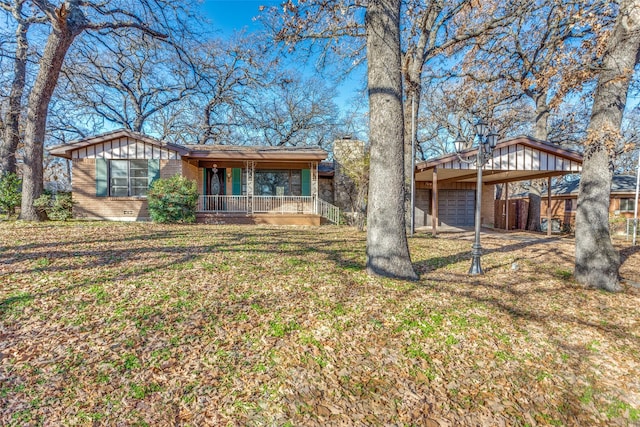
328 211
283 204
270 204
232 204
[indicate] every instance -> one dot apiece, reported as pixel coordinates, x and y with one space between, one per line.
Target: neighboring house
237 184
445 186
564 198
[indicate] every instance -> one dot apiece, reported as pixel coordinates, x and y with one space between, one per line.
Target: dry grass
144 324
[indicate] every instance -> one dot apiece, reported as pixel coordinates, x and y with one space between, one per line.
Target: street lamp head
482 128
459 143
492 139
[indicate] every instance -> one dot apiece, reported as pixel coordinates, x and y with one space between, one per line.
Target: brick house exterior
237 184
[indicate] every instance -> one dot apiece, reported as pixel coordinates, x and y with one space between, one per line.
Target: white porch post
314 186
250 168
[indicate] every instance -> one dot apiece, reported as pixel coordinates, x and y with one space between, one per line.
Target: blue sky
228 16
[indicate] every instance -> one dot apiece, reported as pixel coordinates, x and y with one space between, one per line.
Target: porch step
267 219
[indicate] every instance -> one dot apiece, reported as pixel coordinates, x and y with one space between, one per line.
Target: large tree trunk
68 23
533 211
9 144
597 261
535 187
387 248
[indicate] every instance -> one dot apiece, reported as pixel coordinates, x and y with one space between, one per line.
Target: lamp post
487 141
635 206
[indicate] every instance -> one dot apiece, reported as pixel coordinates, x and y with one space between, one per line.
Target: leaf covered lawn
146 324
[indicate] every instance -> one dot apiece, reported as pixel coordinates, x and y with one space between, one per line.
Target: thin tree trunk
67 25
9 144
413 63
542 115
535 187
597 262
387 247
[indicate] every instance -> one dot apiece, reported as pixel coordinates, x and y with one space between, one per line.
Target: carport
445 186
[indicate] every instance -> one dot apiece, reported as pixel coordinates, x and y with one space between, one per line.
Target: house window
277 182
627 205
128 178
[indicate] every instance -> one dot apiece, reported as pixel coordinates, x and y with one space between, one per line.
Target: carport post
506 206
434 203
549 206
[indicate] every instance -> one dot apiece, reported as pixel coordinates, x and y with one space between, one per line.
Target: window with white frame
128 178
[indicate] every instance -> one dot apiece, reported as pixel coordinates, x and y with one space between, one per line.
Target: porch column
549 206
506 205
314 186
250 167
434 203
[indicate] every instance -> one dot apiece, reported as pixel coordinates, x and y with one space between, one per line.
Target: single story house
237 184
445 186
292 185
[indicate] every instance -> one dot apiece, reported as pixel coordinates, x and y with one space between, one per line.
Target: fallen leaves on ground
146 324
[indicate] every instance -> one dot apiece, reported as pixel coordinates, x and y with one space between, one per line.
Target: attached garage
456 208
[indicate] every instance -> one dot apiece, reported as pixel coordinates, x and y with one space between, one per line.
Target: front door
215 184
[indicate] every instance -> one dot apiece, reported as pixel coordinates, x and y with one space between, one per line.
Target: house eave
524 140
241 155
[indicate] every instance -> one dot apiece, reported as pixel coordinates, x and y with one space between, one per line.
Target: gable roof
66 149
221 152
514 159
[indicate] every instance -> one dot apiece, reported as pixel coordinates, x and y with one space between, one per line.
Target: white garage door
456 207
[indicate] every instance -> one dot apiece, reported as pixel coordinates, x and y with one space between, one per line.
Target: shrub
173 200
10 196
58 206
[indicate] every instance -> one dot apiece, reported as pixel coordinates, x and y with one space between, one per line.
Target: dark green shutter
153 170
306 182
102 178
236 181
204 181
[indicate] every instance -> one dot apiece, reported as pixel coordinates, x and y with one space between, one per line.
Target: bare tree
336 28
229 71
291 111
68 20
127 80
10 123
532 58
436 30
597 262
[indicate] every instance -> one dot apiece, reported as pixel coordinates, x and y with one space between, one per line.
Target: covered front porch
259 185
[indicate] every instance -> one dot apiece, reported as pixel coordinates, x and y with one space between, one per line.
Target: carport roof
516 159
